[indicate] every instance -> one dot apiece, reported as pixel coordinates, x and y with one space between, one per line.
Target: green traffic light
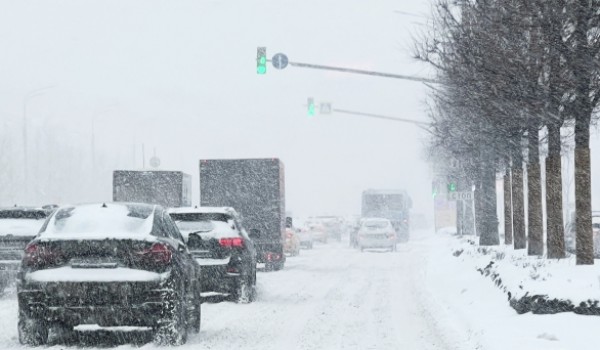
451 187
261 68
261 60
311 107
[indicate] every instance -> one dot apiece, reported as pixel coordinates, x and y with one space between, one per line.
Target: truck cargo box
166 188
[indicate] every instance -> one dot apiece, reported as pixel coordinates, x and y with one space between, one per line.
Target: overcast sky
180 77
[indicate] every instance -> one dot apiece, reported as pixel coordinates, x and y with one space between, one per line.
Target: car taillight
231 242
158 253
38 255
273 256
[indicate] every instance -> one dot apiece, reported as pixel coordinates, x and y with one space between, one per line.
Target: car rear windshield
101 221
195 226
205 225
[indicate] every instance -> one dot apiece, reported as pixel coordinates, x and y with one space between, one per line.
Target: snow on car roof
216 210
20 227
100 221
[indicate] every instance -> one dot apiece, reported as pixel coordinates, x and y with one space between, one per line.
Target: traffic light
452 187
261 60
311 106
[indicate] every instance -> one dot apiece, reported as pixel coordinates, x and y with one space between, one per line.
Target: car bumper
372 243
216 279
105 304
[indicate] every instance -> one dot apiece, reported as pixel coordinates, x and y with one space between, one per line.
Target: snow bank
460 299
534 283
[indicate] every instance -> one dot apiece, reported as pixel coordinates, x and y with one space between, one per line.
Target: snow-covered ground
334 297
472 304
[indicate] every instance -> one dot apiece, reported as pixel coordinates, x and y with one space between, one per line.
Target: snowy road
332 297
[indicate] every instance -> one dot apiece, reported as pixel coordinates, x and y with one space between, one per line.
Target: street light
28 97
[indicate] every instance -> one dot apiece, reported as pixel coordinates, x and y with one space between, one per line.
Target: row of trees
509 69
61 167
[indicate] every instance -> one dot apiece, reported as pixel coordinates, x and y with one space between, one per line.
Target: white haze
180 77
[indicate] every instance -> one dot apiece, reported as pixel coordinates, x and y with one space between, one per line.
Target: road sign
279 61
325 108
460 196
155 162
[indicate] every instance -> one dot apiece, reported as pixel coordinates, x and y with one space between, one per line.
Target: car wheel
253 295
172 329
244 289
194 311
32 331
278 266
3 285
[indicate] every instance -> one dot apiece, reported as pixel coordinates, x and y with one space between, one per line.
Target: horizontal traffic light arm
420 124
361 71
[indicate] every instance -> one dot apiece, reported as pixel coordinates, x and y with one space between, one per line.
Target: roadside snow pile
534 284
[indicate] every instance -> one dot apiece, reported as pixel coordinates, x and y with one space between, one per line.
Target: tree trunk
555 241
535 230
583 112
489 216
478 199
469 219
460 218
518 201
508 229
583 205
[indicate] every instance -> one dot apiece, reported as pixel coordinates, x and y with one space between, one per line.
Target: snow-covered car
291 245
18 226
221 246
376 233
332 225
306 239
318 232
115 264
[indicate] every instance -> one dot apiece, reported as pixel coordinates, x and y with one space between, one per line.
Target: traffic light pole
361 71
422 125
